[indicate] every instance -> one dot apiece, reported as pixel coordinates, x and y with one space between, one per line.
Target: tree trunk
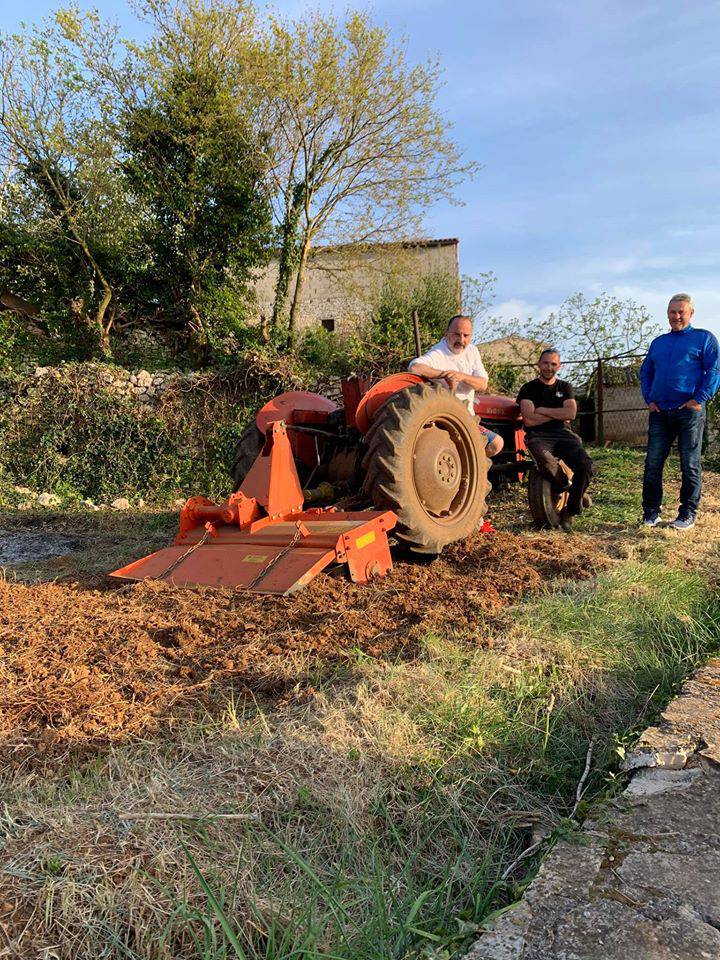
102 327
288 253
297 296
201 340
264 329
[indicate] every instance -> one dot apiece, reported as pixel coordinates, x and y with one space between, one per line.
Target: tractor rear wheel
546 502
246 450
426 461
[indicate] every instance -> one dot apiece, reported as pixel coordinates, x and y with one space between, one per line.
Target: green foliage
140 180
330 354
435 296
99 449
66 432
506 378
386 343
196 165
70 227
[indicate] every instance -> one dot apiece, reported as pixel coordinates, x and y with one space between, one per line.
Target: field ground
351 772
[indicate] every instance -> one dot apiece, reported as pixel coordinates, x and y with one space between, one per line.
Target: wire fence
611 408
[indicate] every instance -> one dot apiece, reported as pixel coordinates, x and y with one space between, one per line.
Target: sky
597 127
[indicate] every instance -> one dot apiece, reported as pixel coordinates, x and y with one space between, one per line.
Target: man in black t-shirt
547 406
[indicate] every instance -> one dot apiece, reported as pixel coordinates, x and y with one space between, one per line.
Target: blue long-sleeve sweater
680 366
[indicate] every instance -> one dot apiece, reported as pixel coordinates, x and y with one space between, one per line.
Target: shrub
72 432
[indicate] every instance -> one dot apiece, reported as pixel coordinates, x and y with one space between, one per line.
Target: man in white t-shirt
457 362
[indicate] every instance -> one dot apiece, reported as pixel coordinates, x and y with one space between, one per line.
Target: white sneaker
652 521
683 523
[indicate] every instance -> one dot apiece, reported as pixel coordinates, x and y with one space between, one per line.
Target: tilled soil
82 667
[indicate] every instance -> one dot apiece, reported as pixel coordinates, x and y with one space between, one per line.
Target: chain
176 563
256 580
266 569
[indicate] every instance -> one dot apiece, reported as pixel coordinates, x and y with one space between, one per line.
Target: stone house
343 282
512 349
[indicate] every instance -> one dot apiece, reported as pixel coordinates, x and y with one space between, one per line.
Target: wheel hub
437 469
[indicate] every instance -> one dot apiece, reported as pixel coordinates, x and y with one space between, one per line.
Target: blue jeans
686 426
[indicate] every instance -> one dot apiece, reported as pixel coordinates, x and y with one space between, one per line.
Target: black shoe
565 521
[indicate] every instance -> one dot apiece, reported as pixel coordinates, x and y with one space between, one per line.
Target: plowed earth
81 667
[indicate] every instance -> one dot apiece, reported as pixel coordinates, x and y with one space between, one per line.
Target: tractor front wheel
546 502
426 461
246 451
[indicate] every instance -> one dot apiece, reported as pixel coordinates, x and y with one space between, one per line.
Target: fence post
416 332
600 404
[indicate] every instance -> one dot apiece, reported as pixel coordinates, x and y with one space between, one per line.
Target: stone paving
642 880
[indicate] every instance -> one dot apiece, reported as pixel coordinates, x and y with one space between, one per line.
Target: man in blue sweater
678 376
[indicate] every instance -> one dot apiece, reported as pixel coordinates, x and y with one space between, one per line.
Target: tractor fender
378 395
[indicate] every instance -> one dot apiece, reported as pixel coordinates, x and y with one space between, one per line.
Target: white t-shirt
441 357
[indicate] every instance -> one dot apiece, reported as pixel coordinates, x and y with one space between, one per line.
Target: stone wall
146 387
641 878
343 282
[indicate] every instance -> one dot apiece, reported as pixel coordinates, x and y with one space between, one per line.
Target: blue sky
597 127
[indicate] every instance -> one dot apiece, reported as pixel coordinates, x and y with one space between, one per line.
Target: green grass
617 488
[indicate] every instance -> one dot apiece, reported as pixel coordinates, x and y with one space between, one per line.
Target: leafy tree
358 149
194 159
587 330
60 168
386 342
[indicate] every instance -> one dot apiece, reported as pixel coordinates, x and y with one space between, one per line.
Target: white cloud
523 310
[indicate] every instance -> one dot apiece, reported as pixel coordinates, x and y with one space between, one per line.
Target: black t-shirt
542 395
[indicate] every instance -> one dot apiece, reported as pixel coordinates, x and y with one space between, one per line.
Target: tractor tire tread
247 448
387 445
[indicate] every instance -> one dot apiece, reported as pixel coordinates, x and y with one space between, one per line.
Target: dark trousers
686 426
548 448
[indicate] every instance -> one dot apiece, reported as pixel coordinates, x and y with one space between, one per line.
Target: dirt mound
81 666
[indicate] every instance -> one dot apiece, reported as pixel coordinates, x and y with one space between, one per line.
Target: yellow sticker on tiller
365 540
254 558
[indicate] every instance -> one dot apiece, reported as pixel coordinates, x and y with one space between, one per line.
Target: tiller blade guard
262 541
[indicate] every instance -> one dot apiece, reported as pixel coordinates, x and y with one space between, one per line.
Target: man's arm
471 379
647 372
531 418
708 386
423 370
451 376
568 411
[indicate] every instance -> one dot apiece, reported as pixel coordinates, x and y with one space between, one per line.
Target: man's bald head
459 333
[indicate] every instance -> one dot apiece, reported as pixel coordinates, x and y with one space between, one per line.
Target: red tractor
407 445
316 482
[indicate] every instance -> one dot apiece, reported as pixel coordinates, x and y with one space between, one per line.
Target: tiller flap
234 545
